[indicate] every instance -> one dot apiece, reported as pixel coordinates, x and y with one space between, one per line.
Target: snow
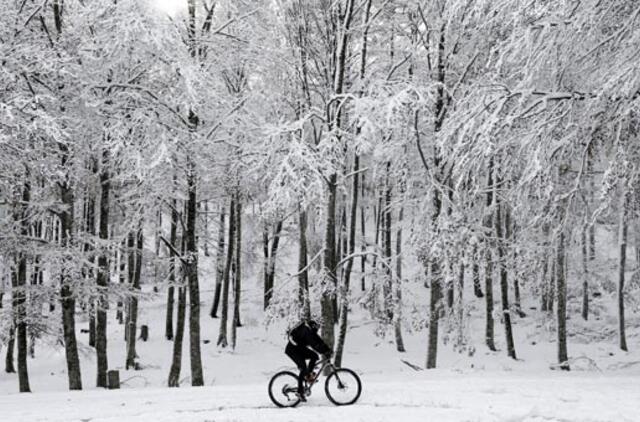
434 396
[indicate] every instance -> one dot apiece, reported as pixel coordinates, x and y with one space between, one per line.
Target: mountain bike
342 386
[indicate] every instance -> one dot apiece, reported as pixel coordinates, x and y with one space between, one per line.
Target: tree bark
237 280
11 345
488 265
622 239
434 314
270 261
197 377
504 282
344 294
173 239
20 294
303 272
135 267
329 279
220 260
561 281
67 298
176 361
475 271
585 274
102 279
387 288
397 314
222 336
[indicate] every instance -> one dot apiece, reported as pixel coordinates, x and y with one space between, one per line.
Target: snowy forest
449 180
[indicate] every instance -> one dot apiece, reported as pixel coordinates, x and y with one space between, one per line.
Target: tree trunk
11 345
504 282
206 229
197 378
434 314
135 267
121 279
103 276
344 293
270 266
561 281
222 336
90 229
387 288
329 280
585 274
622 239
173 239
176 361
220 260
544 300
475 270
237 275
397 314
67 298
20 294
488 264
303 272
510 235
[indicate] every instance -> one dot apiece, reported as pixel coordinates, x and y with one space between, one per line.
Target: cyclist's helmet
313 325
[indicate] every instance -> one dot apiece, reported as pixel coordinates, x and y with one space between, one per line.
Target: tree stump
144 332
113 380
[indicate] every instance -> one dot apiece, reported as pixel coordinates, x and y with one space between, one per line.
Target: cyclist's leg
297 355
312 357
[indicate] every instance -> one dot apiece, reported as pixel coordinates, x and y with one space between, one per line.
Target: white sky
170 6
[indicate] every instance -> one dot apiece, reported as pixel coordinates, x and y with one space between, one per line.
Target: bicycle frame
319 368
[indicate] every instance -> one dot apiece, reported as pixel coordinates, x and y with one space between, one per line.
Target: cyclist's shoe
301 396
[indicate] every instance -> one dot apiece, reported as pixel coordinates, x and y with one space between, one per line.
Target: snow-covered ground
434 396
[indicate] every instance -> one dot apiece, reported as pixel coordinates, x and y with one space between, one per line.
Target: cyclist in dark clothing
305 344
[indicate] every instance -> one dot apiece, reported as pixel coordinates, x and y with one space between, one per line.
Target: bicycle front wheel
343 387
283 389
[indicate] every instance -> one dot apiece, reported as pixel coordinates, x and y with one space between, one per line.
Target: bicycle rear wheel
343 387
283 389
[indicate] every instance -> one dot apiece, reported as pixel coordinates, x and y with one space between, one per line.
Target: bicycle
283 387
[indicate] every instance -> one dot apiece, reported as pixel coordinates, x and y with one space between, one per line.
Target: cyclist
305 344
